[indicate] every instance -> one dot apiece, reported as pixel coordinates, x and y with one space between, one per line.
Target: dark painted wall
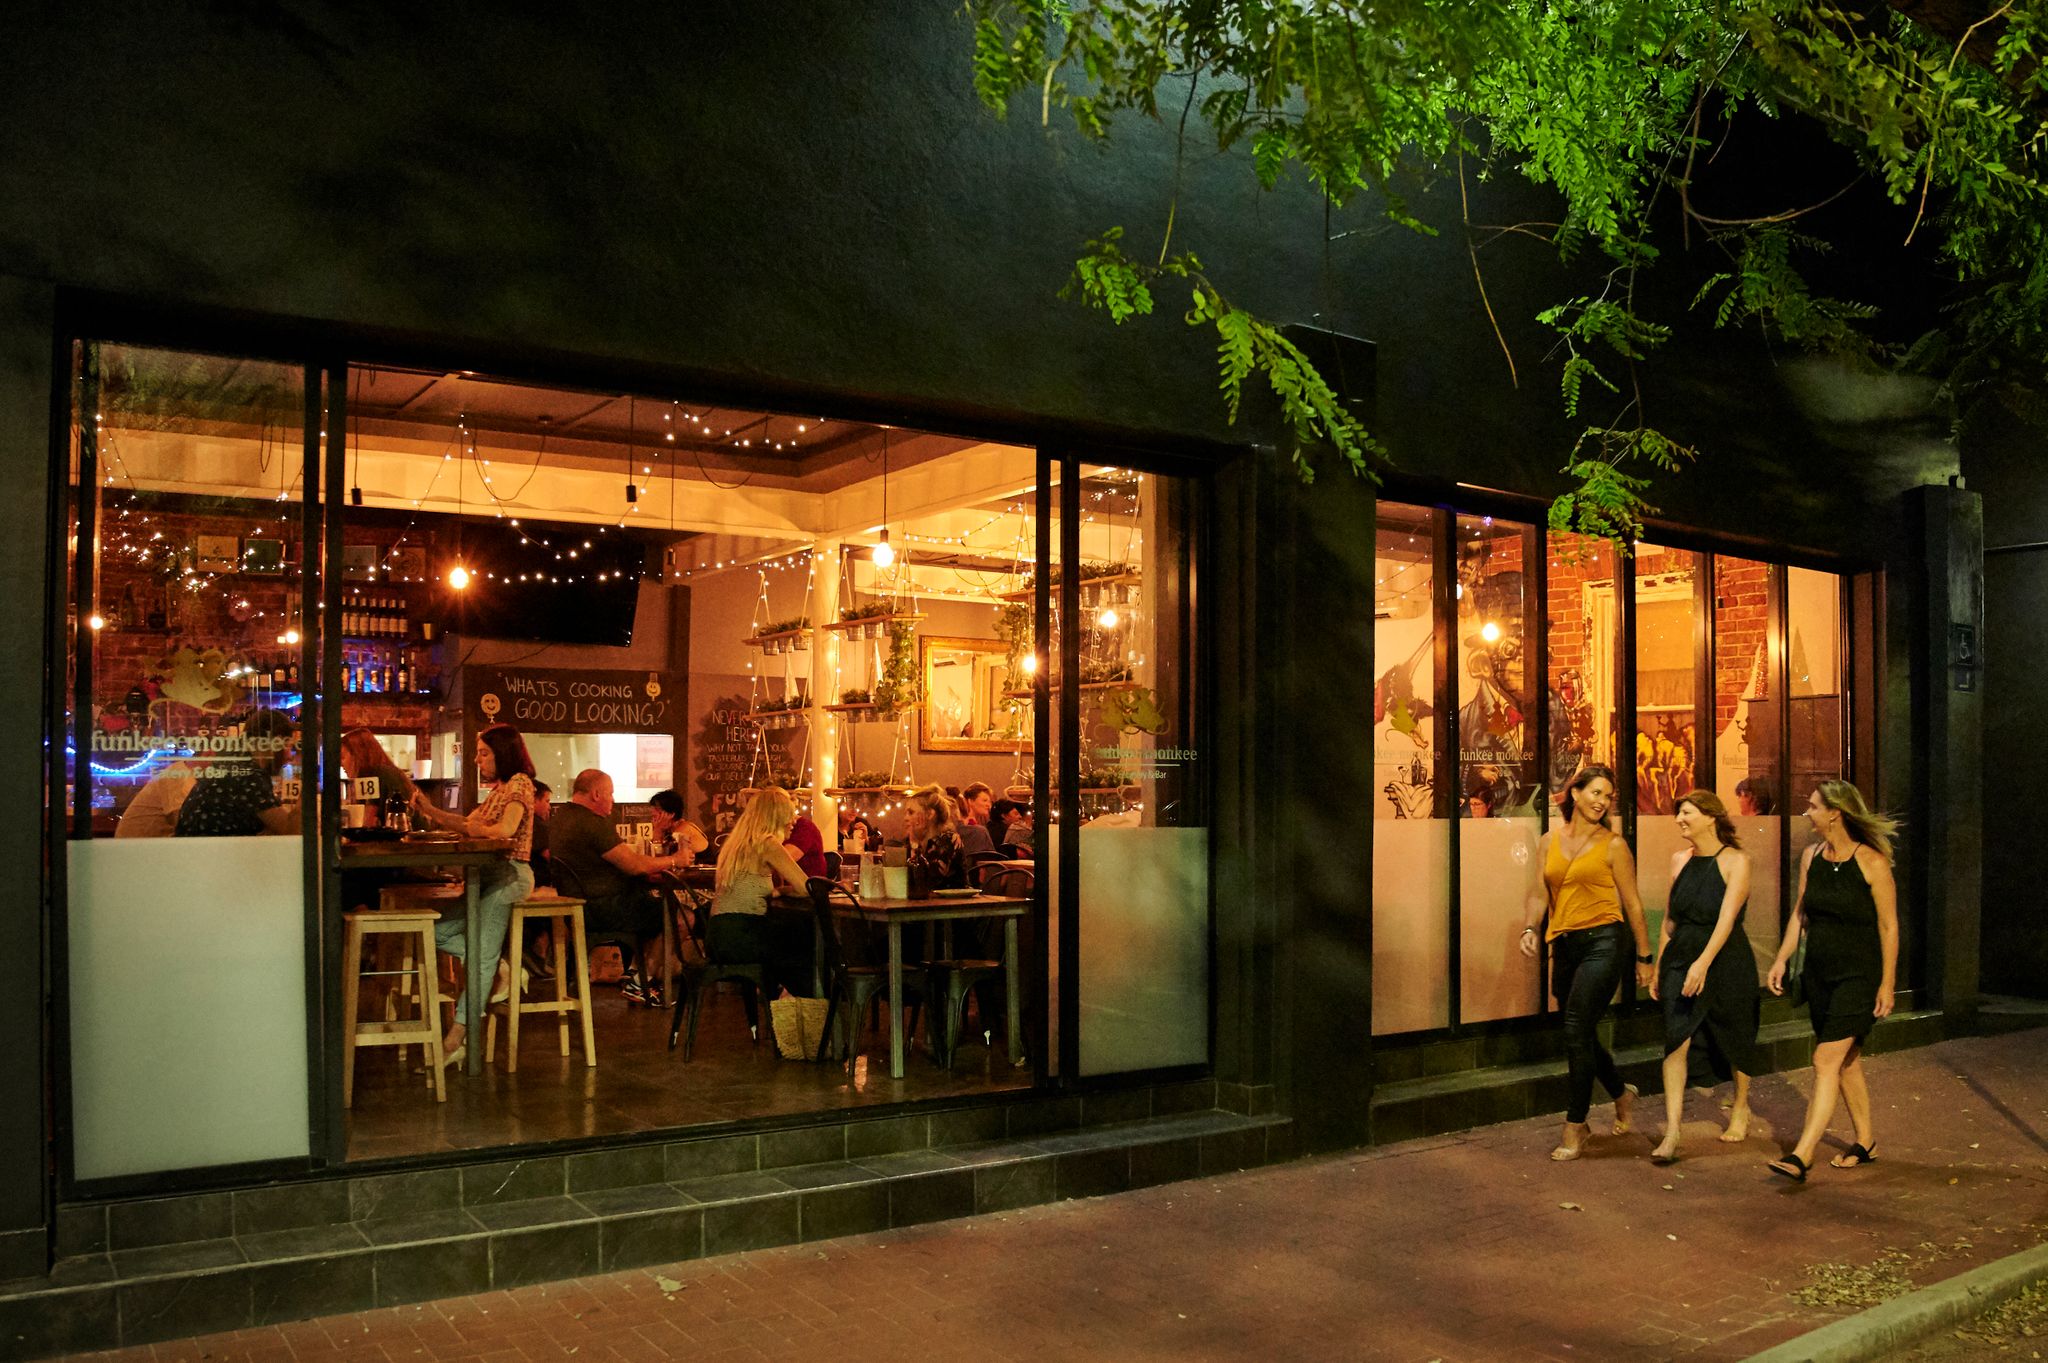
810 201
2008 463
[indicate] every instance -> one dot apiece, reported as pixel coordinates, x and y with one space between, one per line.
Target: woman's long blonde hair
1865 824
938 808
763 823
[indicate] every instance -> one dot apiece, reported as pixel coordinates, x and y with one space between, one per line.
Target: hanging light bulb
883 555
1490 632
95 621
289 638
1030 664
458 577
1108 618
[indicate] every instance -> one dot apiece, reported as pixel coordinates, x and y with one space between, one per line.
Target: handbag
799 1026
1795 973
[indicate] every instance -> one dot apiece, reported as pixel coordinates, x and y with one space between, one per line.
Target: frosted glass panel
188 1003
1144 948
1497 869
1411 932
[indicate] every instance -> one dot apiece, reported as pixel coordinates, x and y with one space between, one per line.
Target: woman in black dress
1706 978
1848 910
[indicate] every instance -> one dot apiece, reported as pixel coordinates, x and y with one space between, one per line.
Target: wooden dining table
895 913
470 855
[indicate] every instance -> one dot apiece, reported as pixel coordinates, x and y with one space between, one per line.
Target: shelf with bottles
386 668
375 617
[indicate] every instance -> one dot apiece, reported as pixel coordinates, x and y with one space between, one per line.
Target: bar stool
414 896
565 920
415 927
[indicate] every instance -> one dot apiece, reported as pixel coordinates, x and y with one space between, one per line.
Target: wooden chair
415 926
414 896
565 924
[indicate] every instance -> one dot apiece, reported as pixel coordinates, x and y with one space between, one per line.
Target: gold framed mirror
967 707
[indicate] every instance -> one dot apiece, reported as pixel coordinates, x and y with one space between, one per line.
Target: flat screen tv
553 583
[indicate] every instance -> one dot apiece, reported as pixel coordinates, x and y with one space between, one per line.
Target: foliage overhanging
1614 106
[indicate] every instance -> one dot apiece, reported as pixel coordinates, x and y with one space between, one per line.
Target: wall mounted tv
549 582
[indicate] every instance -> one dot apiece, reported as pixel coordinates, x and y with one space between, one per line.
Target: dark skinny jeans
1586 968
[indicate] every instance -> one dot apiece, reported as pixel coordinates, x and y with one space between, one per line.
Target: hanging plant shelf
843 792
780 718
782 641
872 626
865 714
1028 594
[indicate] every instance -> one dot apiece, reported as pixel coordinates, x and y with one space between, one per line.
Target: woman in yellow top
1588 893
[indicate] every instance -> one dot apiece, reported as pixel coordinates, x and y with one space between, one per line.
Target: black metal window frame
1860 648
323 354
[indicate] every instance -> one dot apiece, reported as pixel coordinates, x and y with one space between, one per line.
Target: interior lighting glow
458 577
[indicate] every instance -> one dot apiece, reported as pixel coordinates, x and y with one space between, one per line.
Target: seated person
934 834
362 755
670 827
153 813
752 859
591 863
806 846
233 796
1010 825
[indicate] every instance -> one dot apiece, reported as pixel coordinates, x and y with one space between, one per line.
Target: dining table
470 856
945 910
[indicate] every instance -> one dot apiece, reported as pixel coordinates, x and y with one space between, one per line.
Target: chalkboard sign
559 700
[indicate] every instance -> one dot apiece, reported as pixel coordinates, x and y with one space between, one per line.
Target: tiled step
1469 1098
403 1248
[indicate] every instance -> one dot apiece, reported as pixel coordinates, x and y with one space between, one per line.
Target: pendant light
459 576
882 554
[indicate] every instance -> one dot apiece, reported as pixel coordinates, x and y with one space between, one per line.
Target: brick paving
1456 1249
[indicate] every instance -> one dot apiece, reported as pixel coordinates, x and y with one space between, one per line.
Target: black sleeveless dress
1843 956
1726 1008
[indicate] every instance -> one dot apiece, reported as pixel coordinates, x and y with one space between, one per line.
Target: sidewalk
1460 1249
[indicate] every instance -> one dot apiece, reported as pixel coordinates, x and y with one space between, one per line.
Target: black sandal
1789 1165
1860 1152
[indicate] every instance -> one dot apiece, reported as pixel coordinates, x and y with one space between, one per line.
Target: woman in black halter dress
1706 976
1848 912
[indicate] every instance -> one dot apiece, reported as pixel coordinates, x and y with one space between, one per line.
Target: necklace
1837 865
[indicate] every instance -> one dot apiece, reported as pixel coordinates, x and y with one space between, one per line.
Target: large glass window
1411 840
1680 669
185 919
1500 782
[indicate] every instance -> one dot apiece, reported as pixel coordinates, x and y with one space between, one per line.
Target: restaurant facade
421 382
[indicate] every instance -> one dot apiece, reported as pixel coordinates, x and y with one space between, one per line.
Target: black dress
1726 1008
1843 956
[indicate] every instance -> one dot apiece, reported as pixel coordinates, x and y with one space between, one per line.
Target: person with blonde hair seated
750 863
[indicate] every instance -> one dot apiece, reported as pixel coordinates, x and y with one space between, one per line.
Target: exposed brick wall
1742 617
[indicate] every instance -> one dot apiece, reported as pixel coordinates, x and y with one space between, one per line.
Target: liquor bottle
405 671
349 676
291 672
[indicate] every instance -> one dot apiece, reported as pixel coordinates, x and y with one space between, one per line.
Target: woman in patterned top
502 764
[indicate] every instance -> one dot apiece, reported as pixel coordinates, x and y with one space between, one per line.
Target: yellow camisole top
1582 893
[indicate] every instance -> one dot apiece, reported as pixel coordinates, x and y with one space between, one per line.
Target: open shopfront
263 555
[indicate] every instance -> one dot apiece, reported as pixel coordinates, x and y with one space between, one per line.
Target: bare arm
1538 902
783 866
635 864
690 840
1884 893
1735 871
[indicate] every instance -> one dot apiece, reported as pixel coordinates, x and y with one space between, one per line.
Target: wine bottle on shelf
291 673
277 673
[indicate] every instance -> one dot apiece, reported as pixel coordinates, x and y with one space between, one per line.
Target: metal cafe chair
854 976
949 982
693 977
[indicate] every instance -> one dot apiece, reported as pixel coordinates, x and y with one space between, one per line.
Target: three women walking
1588 907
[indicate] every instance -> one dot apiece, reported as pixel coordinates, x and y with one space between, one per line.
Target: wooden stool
417 897
565 921
415 926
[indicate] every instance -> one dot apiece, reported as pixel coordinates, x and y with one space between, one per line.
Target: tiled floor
1460 1248
639 1084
